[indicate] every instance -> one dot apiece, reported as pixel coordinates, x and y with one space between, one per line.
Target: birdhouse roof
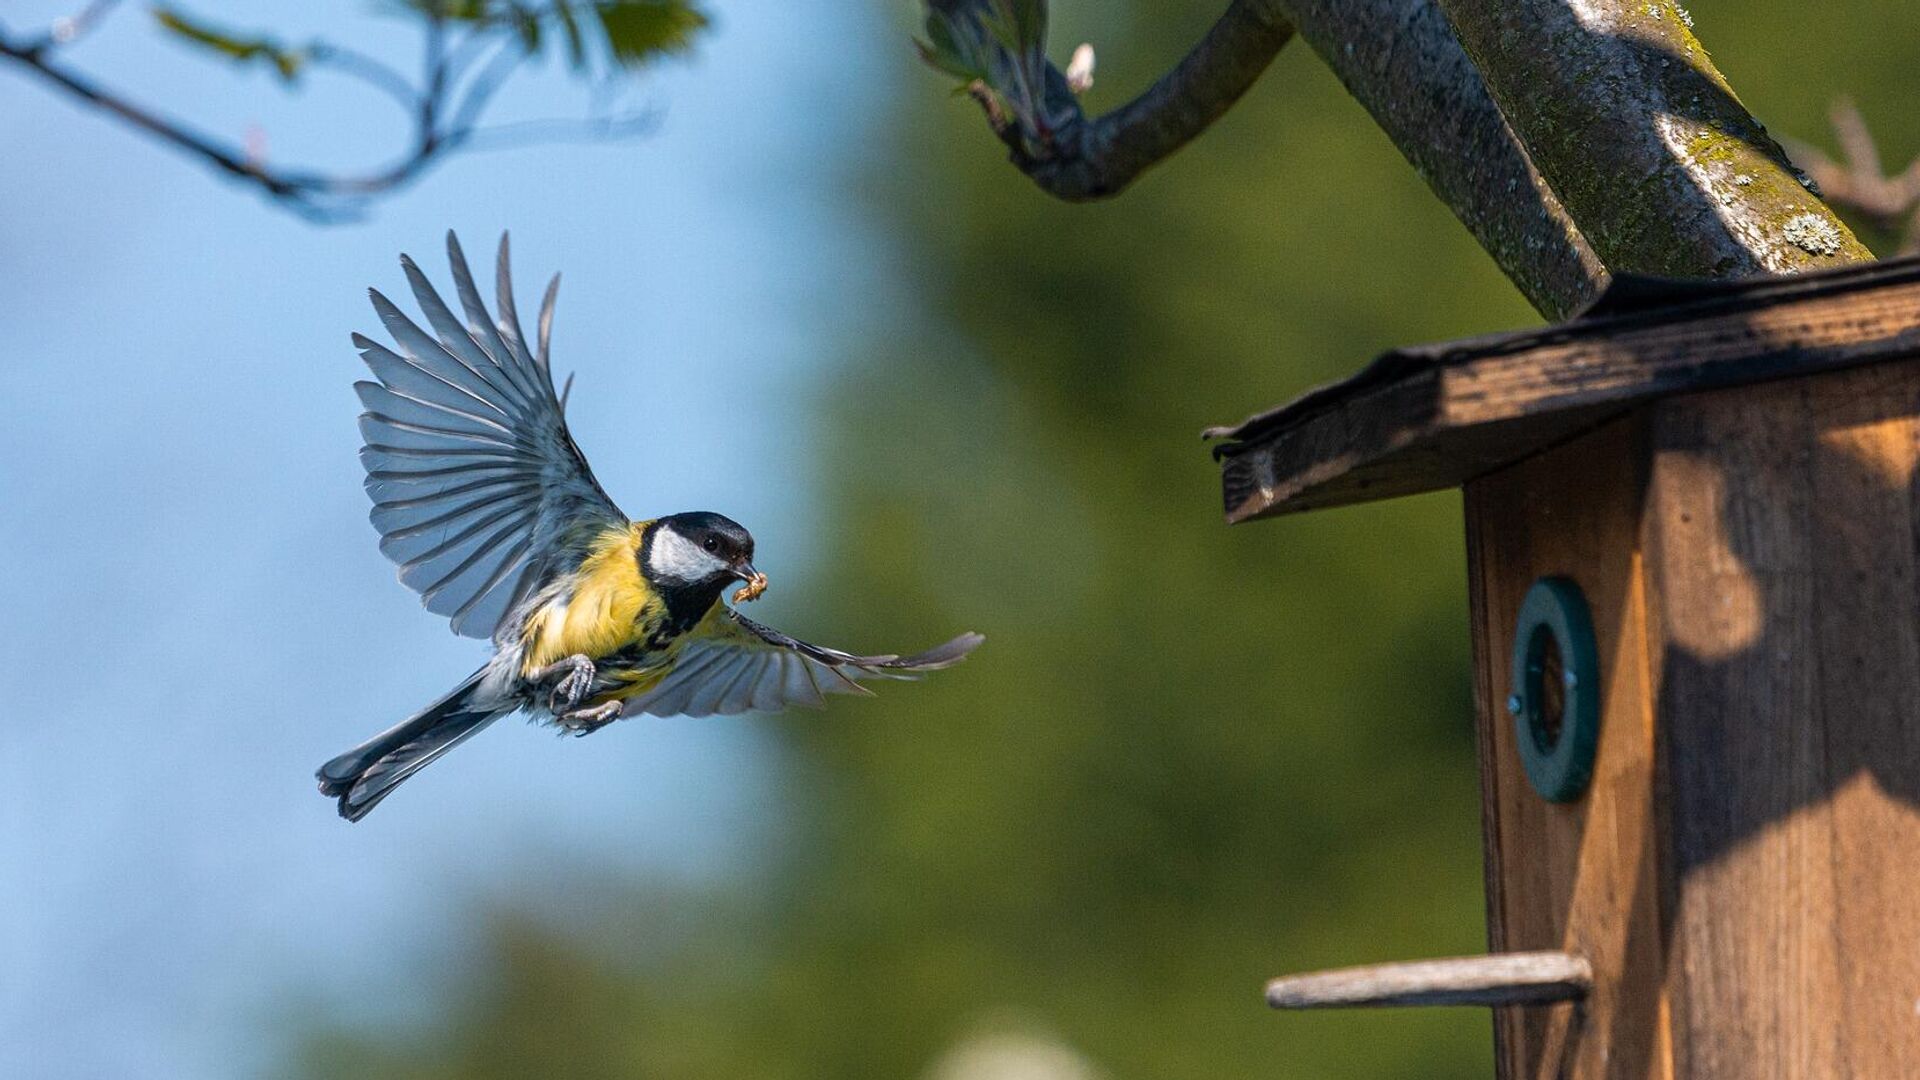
1435 416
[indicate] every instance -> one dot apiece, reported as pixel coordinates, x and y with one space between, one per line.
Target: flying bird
486 503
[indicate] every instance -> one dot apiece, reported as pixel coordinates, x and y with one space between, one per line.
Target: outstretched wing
731 664
479 492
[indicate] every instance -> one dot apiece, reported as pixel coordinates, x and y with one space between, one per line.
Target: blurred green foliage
1189 757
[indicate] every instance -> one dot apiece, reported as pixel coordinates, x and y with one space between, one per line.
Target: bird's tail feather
364 775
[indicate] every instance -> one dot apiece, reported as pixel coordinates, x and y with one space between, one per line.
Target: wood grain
1744 873
1791 722
1580 877
1438 416
1732 484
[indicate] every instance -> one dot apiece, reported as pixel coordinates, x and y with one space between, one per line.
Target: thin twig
446 106
1398 58
1859 184
1077 158
304 192
560 130
461 55
36 59
68 29
1187 100
366 69
482 87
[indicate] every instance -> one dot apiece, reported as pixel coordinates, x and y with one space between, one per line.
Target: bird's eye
711 544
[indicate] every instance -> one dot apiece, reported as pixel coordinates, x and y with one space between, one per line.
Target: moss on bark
1649 149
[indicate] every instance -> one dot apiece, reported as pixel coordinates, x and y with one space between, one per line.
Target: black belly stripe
686 606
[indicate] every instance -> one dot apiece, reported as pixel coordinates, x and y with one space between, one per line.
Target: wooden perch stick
1529 978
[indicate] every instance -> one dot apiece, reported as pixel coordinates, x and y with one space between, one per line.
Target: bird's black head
697 549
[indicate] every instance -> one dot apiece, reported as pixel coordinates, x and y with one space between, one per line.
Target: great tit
484 500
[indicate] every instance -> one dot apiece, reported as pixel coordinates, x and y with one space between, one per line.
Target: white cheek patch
674 559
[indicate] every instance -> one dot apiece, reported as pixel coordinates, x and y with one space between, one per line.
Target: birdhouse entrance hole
1556 689
1544 672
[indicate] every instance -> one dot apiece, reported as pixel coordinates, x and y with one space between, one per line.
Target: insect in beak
756 583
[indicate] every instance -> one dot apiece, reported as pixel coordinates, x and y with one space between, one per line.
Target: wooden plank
1437 416
1529 978
1867 620
1782 562
1579 877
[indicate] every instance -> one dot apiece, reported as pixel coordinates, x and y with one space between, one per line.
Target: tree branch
482 87
71 28
1399 58
366 69
1087 159
1401 61
445 107
1890 203
306 193
1656 159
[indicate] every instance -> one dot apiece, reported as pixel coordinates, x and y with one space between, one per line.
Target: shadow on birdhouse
1694 557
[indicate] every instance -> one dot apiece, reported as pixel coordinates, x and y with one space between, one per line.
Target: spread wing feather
479 491
731 664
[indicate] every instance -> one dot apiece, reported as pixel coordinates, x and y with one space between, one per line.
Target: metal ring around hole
1559 763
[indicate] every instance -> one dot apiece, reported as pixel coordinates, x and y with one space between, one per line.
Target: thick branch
1400 60
1397 57
1097 158
1653 154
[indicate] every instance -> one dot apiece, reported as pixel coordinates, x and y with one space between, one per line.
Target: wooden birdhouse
1693 544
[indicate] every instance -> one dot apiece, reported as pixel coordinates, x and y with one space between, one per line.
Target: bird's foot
574 685
588 721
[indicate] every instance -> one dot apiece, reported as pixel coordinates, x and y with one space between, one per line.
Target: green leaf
242 50
639 31
947 62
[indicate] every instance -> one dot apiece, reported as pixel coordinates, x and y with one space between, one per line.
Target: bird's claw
575 687
572 688
587 721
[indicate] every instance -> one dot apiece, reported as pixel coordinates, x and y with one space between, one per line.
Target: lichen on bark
1646 144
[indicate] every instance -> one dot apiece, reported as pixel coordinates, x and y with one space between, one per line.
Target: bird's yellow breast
609 607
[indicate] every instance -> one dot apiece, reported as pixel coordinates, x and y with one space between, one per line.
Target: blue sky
196 612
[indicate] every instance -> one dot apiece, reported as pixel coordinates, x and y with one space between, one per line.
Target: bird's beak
756 583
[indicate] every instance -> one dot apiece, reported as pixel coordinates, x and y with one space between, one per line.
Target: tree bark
1399 58
1644 141
1570 136
1401 61
1097 158
1204 85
